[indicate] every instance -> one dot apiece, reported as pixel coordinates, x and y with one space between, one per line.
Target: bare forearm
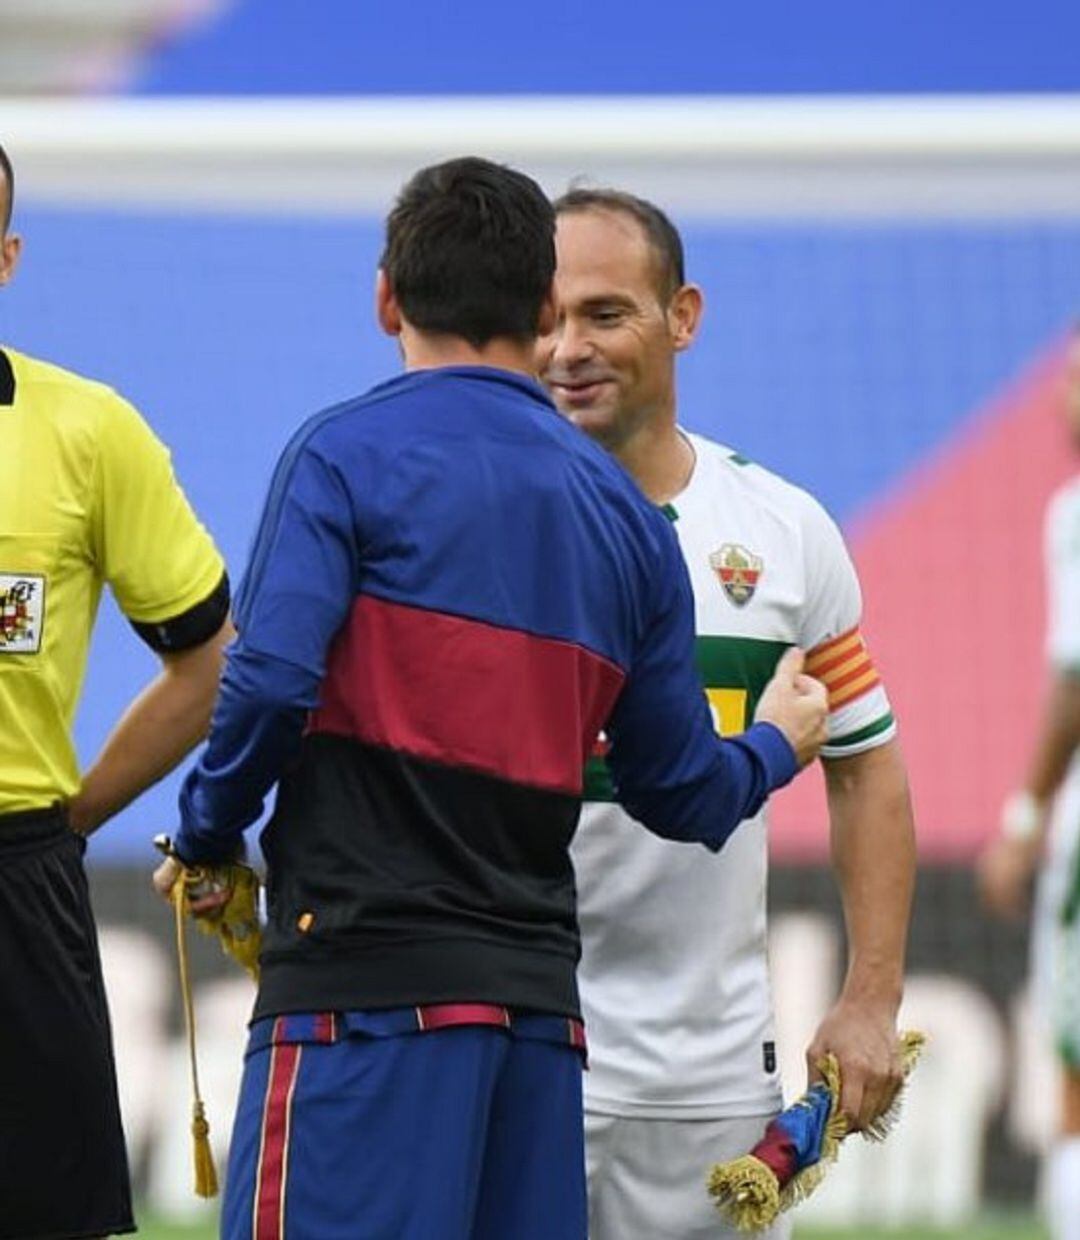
873 848
1008 863
157 730
1059 736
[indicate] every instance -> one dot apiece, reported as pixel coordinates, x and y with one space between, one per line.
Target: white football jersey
1062 554
1062 558
1063 576
674 975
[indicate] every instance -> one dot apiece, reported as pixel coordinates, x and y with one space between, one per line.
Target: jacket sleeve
297 592
670 769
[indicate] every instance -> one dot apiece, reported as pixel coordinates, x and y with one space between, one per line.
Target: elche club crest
739 571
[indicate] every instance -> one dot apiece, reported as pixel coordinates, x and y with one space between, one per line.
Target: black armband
192 627
7 380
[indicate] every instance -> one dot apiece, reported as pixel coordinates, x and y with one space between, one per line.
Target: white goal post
922 156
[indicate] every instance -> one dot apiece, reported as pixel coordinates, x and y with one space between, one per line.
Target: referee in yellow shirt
88 497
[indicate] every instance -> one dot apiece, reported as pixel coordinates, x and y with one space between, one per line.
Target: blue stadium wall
616 47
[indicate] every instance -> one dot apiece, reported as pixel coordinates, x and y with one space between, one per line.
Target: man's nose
571 344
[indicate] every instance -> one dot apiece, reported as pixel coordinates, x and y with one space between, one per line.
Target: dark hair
470 251
9 180
660 232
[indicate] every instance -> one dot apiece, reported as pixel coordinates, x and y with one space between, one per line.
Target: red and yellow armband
844 667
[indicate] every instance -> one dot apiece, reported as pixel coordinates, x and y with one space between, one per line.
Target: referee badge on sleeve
22 612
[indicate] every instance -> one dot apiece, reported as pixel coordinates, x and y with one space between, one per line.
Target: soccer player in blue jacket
451 593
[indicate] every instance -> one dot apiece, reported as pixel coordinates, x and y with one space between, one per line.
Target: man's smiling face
609 364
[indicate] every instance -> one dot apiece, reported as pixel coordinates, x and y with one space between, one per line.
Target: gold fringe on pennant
747 1190
236 926
911 1047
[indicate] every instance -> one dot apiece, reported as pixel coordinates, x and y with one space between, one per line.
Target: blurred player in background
1040 831
89 497
426 696
674 977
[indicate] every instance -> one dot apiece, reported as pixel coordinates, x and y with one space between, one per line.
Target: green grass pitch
993 1229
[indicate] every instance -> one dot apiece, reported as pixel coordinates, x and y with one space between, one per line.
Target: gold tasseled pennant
747 1191
236 925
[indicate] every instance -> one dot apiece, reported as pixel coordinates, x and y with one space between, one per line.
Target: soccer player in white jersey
674 975
1040 831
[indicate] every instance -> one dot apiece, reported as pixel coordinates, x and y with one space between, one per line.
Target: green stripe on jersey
863 734
741 665
597 782
738 663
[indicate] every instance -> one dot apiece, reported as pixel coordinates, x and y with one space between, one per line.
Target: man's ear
10 249
684 316
387 310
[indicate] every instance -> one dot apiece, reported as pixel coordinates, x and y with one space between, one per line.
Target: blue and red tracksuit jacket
451 592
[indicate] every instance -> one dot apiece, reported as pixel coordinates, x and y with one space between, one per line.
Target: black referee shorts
63 1165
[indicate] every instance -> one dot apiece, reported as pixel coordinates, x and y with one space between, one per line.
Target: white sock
1063 1189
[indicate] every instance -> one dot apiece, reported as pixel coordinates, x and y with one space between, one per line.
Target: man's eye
606 316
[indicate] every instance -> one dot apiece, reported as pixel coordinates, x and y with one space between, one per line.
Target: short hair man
691 1078
1040 830
415 1059
89 498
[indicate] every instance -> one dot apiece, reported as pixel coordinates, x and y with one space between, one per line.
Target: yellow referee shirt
87 496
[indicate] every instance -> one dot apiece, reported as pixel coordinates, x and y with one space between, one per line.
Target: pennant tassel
206 1181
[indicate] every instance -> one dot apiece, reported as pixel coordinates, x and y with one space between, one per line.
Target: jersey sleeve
1063 581
296 594
860 716
161 564
669 769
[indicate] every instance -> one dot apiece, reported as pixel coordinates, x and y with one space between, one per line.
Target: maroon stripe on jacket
467 694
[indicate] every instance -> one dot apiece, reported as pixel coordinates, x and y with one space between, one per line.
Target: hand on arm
798 705
168 718
1007 866
873 848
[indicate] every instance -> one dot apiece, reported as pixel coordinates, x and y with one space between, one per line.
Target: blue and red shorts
449 1122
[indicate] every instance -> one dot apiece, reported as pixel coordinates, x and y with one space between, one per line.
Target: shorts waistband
30 829
327 1028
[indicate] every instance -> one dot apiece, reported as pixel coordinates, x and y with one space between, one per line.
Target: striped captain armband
844 667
